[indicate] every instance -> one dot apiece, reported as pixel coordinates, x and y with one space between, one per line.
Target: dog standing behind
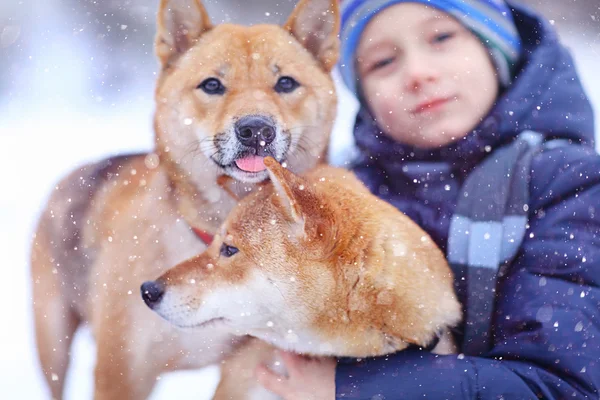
227 96
315 265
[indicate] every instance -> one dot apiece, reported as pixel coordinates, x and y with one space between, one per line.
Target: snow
52 121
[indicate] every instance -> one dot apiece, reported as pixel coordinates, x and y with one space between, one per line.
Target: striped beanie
490 20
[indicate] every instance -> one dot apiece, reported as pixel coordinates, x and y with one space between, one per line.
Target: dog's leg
126 365
55 320
116 375
126 368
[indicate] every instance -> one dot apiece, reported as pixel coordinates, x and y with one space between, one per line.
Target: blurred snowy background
76 84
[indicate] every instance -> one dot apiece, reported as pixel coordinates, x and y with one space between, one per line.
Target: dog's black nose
152 292
255 130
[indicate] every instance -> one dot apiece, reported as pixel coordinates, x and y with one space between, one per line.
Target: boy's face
426 78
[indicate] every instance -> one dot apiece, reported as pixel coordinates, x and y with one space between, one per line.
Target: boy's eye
442 37
382 63
228 251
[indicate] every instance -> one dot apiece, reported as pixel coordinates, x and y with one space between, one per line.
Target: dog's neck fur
204 208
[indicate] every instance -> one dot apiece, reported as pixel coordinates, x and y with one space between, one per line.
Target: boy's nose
418 71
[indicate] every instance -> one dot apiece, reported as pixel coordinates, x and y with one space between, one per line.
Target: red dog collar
206 237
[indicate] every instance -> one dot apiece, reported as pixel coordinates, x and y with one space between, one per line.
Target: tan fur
353 276
112 225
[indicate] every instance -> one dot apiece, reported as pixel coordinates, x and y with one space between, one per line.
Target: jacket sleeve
547 319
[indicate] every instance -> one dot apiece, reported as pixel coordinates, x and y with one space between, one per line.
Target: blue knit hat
490 20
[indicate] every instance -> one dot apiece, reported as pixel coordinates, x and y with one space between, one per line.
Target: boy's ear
180 23
284 181
316 24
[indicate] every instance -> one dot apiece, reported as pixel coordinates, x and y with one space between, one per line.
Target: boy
445 85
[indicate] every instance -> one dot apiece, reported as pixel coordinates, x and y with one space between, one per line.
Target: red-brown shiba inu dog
226 97
316 265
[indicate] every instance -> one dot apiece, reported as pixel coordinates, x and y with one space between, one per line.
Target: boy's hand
308 378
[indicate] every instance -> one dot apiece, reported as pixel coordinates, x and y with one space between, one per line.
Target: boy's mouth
431 105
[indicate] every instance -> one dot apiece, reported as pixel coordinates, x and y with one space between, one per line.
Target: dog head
309 264
230 95
248 275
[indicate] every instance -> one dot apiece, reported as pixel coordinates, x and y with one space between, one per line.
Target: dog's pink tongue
251 164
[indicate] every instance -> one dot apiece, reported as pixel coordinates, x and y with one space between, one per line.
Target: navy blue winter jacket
547 320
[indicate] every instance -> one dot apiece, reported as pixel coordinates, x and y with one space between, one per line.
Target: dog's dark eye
228 251
212 86
286 84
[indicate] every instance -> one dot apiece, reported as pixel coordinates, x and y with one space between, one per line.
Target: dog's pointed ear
316 24
284 181
180 23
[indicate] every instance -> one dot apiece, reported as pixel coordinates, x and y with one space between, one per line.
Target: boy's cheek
387 108
381 110
386 94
